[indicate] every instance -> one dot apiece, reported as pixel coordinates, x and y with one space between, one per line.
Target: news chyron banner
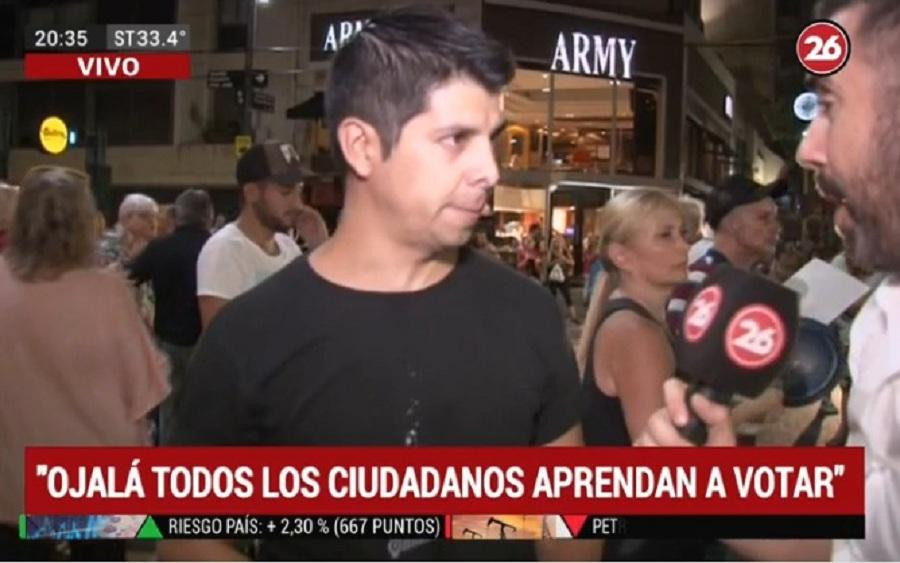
443 493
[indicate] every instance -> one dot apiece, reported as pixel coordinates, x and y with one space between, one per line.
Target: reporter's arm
662 428
662 431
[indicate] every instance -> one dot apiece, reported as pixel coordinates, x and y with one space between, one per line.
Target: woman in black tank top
624 353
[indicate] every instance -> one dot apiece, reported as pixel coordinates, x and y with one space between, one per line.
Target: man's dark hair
879 29
193 208
386 73
878 41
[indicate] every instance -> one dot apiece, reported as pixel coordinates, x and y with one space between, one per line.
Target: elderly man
169 264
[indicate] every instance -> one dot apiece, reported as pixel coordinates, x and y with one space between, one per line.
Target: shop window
639 128
155 12
226 118
582 135
599 126
136 113
232 25
709 158
8 36
70 13
523 145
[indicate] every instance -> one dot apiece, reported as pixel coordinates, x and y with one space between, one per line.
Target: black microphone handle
695 430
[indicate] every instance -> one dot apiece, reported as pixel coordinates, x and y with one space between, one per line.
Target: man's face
755 227
274 205
851 146
435 183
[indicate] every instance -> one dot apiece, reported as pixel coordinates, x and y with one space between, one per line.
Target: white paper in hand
825 291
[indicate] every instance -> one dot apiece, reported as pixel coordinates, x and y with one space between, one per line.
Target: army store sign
329 31
593 55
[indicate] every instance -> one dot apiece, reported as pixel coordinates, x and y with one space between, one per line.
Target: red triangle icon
575 523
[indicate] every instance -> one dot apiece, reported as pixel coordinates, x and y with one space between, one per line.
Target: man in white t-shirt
245 252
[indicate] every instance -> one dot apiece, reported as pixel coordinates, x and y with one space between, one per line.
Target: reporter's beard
867 215
872 239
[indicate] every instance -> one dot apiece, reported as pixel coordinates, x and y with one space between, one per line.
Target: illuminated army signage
593 55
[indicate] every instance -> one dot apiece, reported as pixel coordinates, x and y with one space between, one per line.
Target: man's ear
729 223
360 144
250 191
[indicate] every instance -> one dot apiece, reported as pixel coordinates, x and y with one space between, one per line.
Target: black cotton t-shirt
479 359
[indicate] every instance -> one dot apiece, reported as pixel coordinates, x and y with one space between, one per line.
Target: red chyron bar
621 481
107 66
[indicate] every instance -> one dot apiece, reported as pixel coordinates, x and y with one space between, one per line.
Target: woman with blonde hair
624 353
77 366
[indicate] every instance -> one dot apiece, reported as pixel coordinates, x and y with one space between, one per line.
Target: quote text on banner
307 480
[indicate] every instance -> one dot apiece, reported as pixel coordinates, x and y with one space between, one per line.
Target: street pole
247 125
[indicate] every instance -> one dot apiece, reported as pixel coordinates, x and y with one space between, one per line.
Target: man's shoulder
228 232
282 304
287 289
226 239
505 286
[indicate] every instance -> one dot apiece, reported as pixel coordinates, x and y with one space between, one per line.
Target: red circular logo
823 47
702 312
755 337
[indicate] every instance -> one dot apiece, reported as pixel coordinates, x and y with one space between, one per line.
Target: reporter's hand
662 427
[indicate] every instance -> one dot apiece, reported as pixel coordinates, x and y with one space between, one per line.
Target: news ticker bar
430 527
116 37
107 66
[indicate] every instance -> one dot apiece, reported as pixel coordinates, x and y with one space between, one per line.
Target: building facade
608 95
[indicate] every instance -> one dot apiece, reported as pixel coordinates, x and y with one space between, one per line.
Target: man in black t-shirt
169 263
388 333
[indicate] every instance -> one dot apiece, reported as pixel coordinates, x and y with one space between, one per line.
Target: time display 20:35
43 38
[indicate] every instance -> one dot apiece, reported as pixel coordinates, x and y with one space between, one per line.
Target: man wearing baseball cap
243 253
744 217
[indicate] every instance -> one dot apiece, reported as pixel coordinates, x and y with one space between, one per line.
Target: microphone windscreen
738 331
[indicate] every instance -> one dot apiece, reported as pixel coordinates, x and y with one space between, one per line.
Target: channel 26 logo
823 47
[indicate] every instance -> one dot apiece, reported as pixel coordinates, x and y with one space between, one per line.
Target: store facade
600 102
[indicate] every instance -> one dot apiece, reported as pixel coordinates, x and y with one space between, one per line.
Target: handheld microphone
737 335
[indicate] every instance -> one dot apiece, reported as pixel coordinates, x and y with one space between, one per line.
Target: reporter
852 146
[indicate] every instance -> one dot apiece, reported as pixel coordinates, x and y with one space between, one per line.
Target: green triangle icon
149 530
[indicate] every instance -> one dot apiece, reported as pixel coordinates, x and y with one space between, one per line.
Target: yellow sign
54 135
241 144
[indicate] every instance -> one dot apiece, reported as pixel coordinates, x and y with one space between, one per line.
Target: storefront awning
311 109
